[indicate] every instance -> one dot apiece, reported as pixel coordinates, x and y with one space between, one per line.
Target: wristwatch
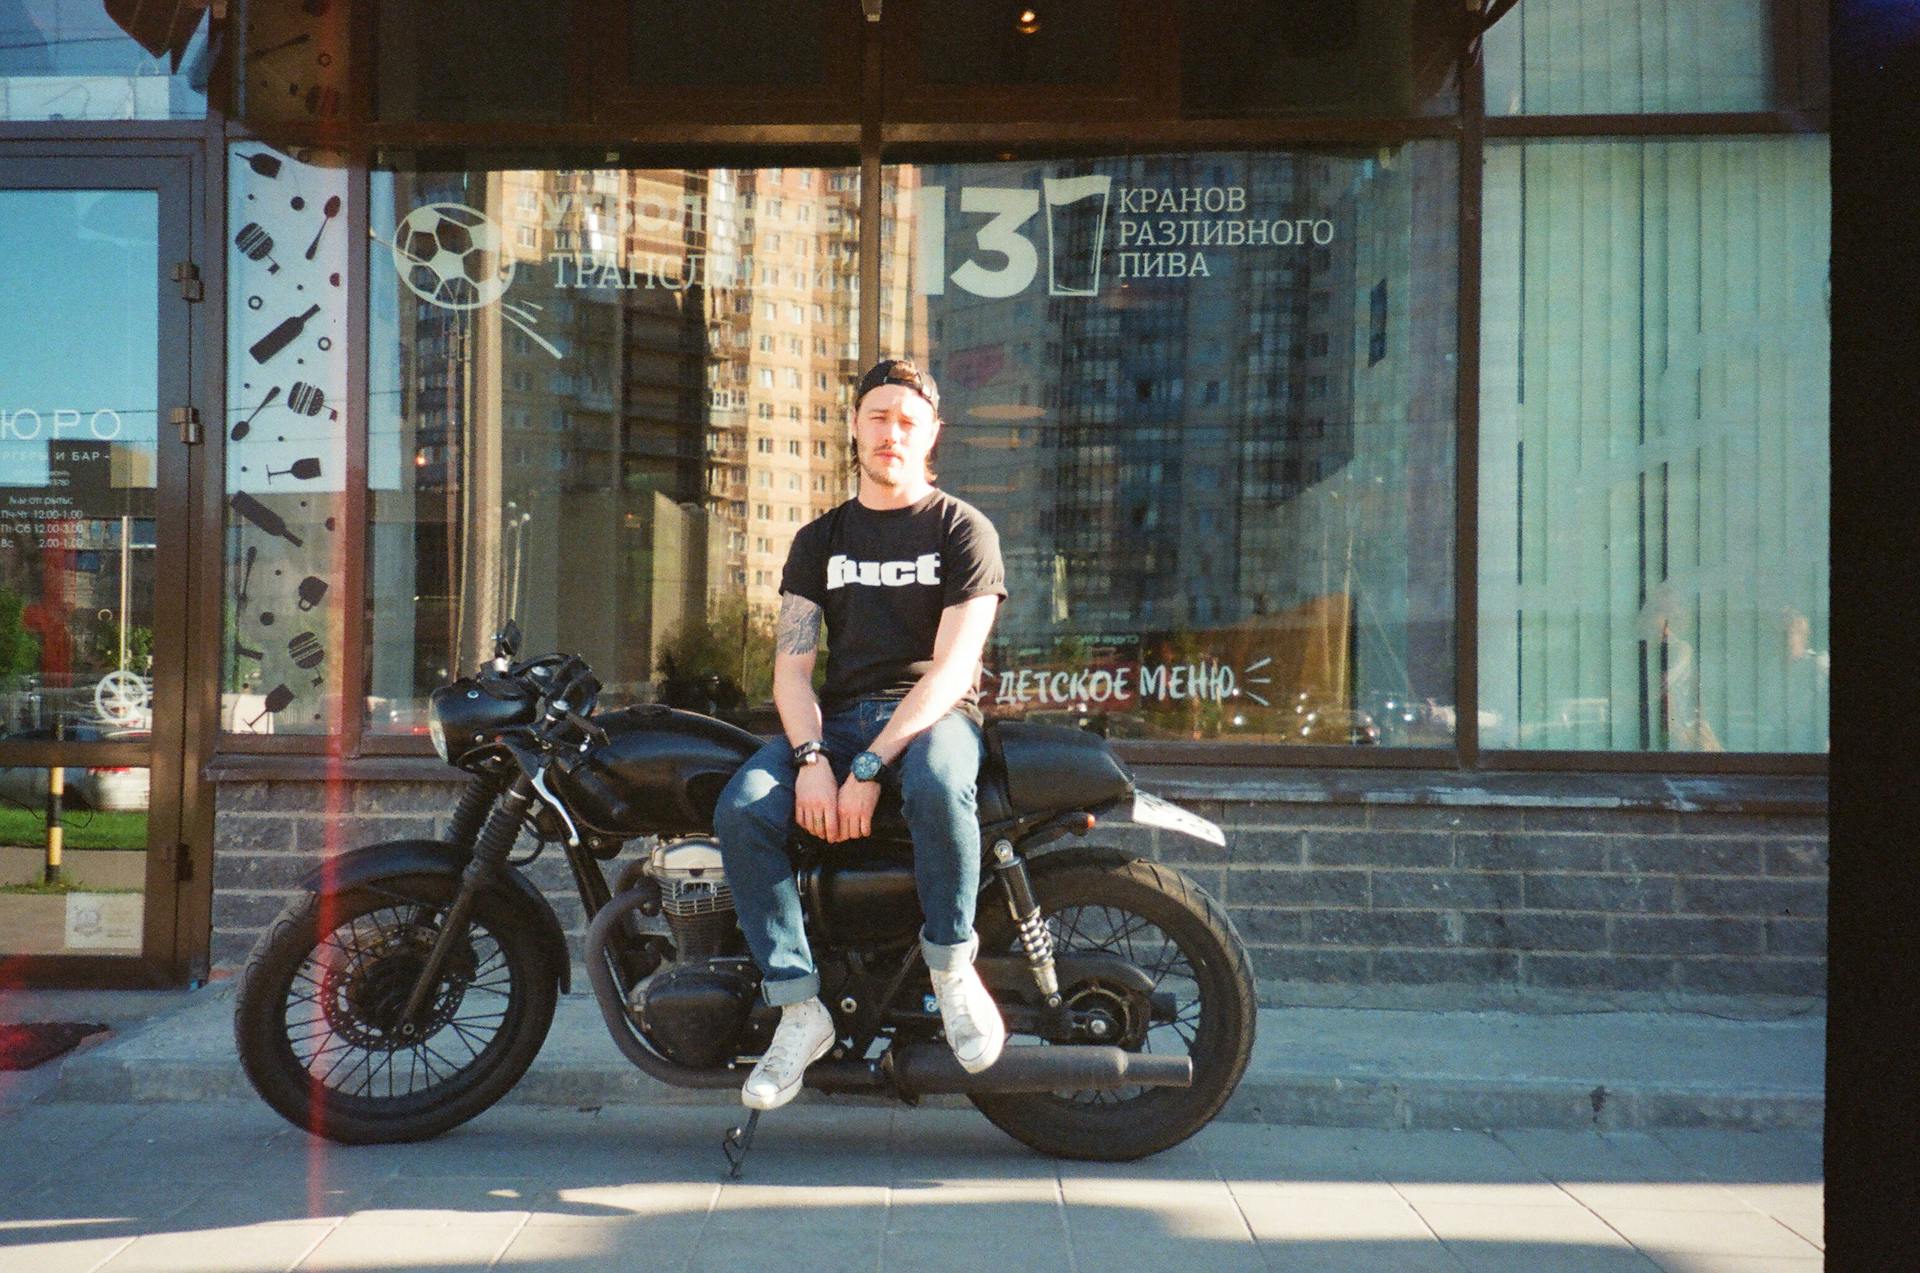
808 752
868 767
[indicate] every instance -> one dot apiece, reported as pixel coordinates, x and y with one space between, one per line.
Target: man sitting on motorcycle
908 579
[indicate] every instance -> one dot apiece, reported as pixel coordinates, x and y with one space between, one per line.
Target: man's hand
857 803
814 801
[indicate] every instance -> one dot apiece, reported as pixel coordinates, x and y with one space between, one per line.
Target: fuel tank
659 773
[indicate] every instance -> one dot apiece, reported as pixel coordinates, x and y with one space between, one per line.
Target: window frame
887 121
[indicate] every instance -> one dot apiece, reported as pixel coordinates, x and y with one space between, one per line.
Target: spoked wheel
320 1020
1202 1004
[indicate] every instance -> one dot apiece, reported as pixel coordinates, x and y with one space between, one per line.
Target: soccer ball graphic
449 254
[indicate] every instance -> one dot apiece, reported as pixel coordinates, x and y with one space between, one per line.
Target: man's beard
878 475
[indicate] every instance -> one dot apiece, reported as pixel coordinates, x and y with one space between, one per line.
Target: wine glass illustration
304 469
256 245
1076 225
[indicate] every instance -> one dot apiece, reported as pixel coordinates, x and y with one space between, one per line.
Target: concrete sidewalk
1329 1067
226 1186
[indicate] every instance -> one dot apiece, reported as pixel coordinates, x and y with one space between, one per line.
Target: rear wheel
1162 923
319 1019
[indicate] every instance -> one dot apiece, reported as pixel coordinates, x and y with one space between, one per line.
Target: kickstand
737 1142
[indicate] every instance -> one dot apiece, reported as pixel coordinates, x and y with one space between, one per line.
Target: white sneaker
975 1031
804 1035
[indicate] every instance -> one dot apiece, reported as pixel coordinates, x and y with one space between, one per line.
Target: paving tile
396 1240
229 1250
74 1255
982 1246
964 1209
1115 1251
1529 1194
664 1201
1699 1262
1547 1226
1247 1151
1595 1156
1507 1256
849 1208
137 1206
1282 1217
271 1201
1361 1256
1452 1157
1706 1232
1652 1195
456 1195
598 1248
803 1251
1771 1156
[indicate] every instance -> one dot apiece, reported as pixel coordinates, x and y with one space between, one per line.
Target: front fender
436 857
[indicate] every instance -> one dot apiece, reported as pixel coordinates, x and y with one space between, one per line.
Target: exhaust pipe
928 1069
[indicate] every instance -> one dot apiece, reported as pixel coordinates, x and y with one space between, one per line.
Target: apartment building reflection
1214 465
618 452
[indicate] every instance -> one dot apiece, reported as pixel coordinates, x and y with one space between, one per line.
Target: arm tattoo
799 629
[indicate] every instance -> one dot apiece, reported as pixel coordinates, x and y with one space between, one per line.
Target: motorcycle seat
1028 769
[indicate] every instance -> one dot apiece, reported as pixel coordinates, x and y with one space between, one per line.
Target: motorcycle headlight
437 732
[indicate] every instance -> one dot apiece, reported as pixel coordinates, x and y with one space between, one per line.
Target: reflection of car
104 787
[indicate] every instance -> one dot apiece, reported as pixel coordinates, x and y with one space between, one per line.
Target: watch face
866 766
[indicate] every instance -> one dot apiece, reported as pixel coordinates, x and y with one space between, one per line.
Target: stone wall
1373 900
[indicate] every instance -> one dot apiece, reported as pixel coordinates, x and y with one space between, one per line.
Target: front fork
490 850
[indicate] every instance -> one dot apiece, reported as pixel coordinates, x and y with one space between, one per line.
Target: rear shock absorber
1035 938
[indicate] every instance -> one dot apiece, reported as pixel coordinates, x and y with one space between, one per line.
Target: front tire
1103 901
317 1026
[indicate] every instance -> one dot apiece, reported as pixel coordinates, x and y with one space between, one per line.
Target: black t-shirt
882 577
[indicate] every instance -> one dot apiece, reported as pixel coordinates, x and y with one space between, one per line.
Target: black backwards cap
899 371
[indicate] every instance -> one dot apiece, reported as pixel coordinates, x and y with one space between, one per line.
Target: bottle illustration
281 336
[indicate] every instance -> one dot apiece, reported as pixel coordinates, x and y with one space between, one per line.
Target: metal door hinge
187 420
187 275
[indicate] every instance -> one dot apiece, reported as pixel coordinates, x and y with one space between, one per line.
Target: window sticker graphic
448 254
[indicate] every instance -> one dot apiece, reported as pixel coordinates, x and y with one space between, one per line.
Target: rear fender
436 857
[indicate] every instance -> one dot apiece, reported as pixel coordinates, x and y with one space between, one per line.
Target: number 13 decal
1008 210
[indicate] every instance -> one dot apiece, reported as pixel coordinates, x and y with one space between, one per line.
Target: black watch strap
806 751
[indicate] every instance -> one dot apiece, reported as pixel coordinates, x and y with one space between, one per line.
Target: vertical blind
1653 445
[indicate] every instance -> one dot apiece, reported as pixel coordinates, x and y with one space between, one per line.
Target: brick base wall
1369 903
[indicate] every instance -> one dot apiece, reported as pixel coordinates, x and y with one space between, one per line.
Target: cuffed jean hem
949 958
779 994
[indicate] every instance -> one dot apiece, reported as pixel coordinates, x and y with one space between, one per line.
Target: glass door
94 380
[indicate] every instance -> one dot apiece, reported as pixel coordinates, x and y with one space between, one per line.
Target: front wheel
1162 923
318 1022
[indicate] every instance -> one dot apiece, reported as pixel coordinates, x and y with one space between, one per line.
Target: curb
187 1055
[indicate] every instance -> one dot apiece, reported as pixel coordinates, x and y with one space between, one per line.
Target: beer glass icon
1076 232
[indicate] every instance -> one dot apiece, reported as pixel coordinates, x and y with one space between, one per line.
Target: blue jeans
936 775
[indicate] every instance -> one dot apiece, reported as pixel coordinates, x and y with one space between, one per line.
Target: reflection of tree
104 645
731 642
19 648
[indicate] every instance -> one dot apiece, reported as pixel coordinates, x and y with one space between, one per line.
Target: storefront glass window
1626 57
1653 446
601 402
68 59
79 390
83 892
1208 400
285 441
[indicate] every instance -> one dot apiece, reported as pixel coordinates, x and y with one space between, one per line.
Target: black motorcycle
413 983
